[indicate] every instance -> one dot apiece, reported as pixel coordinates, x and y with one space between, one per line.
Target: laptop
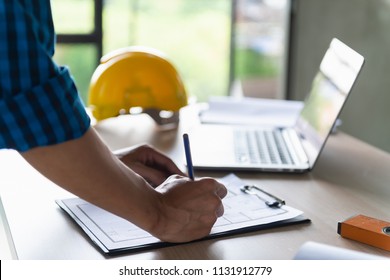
283 149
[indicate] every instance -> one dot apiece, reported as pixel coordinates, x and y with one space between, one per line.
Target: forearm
179 210
88 169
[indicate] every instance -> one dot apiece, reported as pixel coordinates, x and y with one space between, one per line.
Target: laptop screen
330 89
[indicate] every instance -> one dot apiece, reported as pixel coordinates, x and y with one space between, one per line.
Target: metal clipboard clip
269 199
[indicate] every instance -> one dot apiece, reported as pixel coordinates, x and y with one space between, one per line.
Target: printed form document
244 212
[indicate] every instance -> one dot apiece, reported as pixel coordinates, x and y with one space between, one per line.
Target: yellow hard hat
136 77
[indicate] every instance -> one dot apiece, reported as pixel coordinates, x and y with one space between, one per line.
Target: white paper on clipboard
243 213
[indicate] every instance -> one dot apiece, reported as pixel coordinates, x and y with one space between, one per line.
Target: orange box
367 230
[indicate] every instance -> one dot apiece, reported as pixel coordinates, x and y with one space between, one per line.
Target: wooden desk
350 178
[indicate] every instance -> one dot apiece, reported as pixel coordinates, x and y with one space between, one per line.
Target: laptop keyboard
261 146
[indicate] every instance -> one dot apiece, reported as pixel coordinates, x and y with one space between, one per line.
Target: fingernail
221 192
220 211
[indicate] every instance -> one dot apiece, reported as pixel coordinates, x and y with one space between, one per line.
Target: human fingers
216 193
153 176
220 210
190 208
163 163
152 158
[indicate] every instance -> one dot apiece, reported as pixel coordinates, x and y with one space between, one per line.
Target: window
79 33
193 34
208 49
260 41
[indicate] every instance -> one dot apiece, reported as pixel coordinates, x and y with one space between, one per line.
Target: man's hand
178 210
188 209
152 165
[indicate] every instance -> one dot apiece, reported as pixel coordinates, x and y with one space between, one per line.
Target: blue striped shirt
39 102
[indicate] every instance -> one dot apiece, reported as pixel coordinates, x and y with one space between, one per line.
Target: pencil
187 151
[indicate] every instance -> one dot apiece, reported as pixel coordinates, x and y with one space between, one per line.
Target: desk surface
351 177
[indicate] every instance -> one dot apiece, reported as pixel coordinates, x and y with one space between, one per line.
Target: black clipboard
113 235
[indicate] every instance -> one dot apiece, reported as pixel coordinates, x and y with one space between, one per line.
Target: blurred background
212 43
269 48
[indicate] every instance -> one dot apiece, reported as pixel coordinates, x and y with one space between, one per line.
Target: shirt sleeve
39 102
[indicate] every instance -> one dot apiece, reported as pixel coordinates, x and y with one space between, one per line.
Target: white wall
365 26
